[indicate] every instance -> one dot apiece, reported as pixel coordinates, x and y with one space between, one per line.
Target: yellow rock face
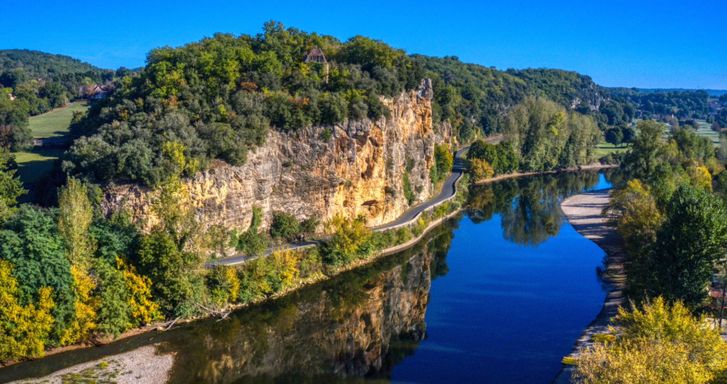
358 171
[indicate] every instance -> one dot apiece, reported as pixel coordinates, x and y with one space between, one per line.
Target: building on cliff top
316 55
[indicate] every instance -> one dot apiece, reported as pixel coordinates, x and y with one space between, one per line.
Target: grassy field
55 122
705 129
604 149
37 162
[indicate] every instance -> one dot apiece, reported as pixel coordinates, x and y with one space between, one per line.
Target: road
448 192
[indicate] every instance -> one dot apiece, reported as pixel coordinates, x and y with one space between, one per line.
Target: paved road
448 191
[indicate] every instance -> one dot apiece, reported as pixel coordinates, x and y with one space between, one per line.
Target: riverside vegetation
671 211
71 274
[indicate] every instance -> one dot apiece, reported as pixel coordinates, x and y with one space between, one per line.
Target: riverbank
515 175
585 212
321 277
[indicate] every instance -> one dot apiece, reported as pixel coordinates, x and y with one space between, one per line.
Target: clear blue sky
618 43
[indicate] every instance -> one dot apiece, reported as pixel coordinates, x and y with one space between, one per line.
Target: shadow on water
358 326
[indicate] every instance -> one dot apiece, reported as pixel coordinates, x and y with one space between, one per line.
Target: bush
351 240
656 344
481 169
285 226
443 162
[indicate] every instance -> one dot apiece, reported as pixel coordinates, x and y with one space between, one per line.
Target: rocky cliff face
354 168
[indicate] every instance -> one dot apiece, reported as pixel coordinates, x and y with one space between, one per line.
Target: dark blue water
506 313
499 295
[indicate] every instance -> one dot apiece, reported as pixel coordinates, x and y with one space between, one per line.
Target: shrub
24 330
284 226
481 169
656 344
351 239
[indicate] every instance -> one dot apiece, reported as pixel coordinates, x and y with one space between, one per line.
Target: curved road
448 192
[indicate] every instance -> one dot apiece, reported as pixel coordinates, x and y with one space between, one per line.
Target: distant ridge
710 92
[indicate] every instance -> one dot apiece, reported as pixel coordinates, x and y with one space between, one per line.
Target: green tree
646 160
169 253
692 238
443 162
11 188
615 136
30 241
24 329
284 226
75 214
351 239
14 131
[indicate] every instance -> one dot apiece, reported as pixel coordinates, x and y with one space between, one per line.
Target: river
497 295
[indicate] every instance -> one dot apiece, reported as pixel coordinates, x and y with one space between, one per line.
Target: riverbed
497 295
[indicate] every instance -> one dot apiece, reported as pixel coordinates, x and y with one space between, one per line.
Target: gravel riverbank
585 214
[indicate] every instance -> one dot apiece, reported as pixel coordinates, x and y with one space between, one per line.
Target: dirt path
585 214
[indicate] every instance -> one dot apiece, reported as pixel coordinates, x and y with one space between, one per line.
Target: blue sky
618 43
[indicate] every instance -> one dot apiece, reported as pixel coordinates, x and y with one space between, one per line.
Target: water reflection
364 323
530 207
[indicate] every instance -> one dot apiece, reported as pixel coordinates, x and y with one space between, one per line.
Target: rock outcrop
354 168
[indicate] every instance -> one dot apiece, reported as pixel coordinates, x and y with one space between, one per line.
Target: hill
32 83
36 64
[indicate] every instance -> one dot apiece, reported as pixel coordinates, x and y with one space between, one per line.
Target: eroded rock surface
354 168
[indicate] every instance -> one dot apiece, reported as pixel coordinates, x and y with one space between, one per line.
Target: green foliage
30 241
481 169
10 187
177 283
682 104
351 240
614 136
252 242
284 226
656 344
14 131
75 214
114 312
443 161
501 157
219 96
692 238
406 185
24 329
545 136
223 285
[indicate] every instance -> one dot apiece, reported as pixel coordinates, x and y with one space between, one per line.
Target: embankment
585 212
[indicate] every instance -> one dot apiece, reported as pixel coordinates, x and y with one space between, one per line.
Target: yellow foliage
85 308
23 329
638 216
143 309
481 169
234 281
286 262
656 344
701 177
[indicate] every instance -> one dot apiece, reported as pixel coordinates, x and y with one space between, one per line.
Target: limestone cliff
353 168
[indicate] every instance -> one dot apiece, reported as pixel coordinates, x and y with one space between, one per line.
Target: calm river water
499 295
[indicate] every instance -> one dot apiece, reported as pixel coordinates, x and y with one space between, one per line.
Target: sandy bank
585 214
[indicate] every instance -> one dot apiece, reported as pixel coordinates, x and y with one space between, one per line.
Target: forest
220 96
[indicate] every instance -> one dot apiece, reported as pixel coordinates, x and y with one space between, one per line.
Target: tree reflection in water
357 325
529 207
